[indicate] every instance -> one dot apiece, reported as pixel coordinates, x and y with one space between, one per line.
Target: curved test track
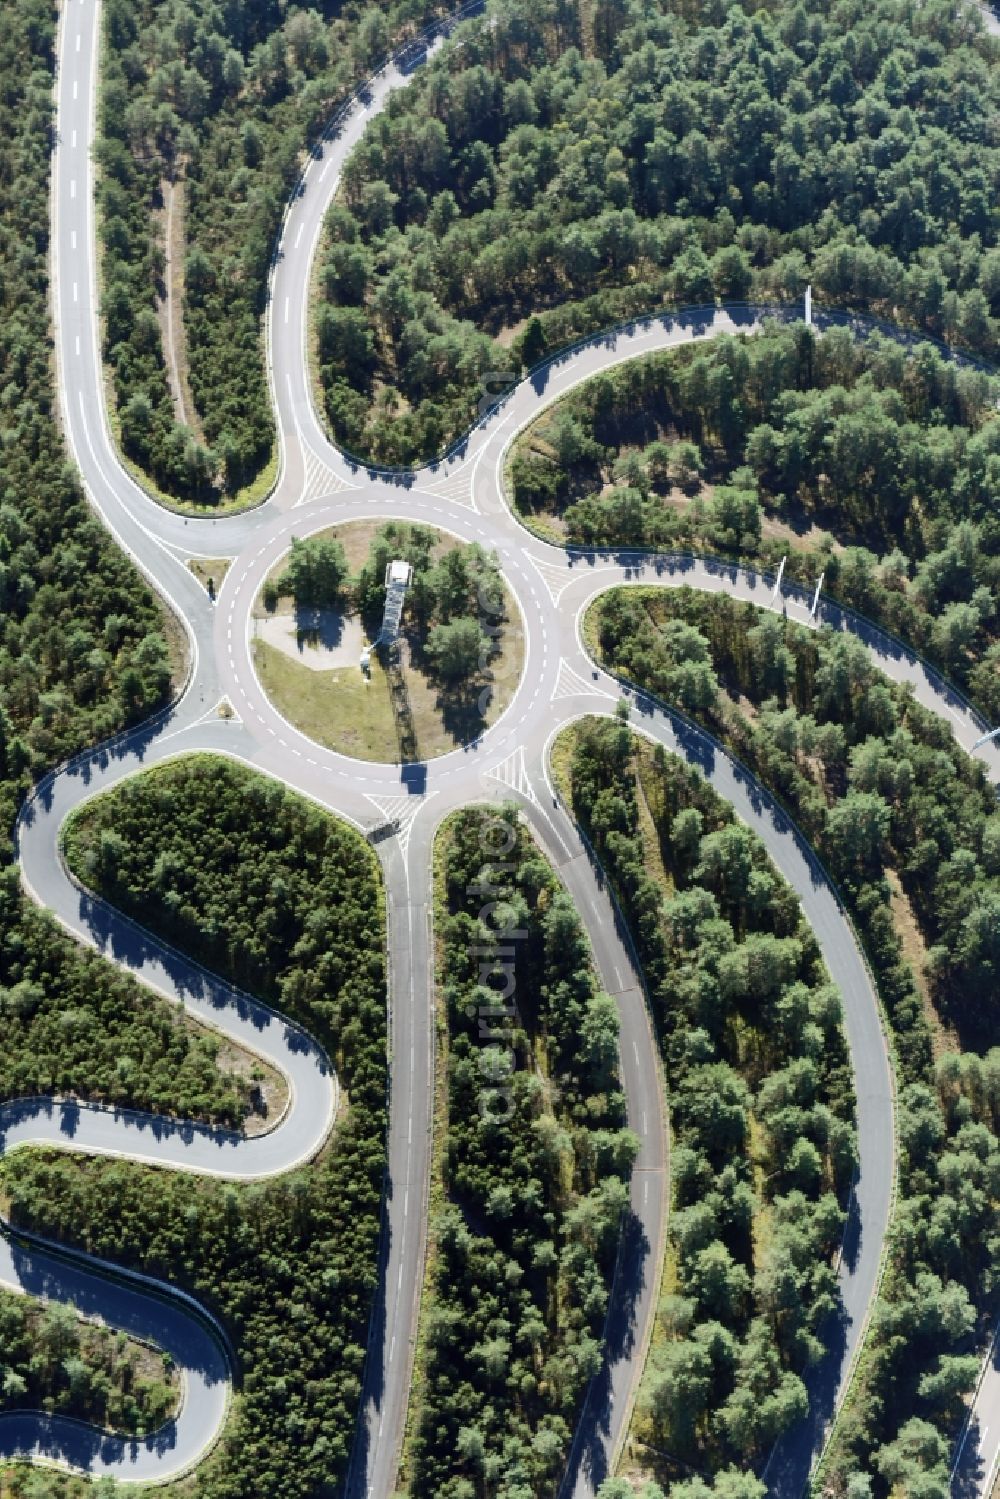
319 486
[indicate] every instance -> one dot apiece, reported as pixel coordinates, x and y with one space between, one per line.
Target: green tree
456 651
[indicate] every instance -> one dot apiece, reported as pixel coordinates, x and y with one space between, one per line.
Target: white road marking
286 308
72 187
342 775
298 237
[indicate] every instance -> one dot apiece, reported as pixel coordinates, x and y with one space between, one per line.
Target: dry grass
208 569
358 716
271 1085
169 225
943 1037
345 711
178 647
652 855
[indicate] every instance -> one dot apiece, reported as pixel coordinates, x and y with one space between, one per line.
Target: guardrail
859 323
789 589
659 705
161 1291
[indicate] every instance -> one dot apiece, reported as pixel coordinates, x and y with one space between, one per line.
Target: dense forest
82 654
568 167
279 897
216 101
82 646
761 1102
909 826
51 1361
535 1169
877 467
74 1024
855 149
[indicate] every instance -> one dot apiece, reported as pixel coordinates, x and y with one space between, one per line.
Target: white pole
815 605
781 569
993 734
809 306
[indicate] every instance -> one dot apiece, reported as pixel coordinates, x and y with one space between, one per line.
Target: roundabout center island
388 641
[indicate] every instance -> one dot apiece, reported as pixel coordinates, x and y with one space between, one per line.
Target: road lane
463 494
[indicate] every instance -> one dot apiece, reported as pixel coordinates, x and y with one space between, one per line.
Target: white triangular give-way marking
569 683
398 813
512 772
555 575
319 479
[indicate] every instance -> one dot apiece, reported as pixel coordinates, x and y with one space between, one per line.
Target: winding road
319 486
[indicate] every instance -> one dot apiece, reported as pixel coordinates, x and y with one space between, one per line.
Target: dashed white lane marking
72 239
79 39
76 291
635 1048
78 346
73 140
76 89
287 300
645 1190
645 1123
298 237
72 187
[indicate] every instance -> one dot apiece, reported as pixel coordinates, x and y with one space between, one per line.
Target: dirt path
171 307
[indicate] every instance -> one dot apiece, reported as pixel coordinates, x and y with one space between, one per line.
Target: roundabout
392 704
402 805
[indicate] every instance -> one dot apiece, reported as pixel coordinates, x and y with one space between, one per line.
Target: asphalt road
317 486
991 18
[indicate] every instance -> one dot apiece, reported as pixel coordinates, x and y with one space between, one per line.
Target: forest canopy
279 897
761 1103
873 465
533 1170
908 825
215 103
565 169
